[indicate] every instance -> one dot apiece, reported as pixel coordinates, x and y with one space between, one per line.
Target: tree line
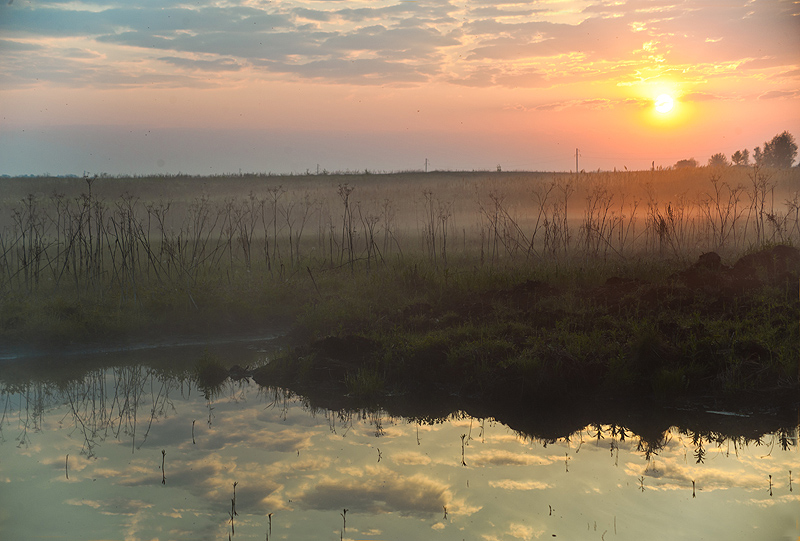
780 153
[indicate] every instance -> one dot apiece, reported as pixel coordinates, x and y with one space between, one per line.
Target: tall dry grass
117 241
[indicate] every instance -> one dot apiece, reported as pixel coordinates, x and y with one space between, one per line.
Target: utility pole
426 165
576 161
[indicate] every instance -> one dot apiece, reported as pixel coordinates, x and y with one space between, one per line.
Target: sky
215 87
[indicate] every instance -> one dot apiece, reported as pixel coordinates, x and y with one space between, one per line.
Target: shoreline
706 334
706 337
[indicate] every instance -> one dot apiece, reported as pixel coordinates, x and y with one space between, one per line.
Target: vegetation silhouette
489 284
779 152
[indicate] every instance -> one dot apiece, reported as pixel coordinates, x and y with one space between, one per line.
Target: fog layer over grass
464 272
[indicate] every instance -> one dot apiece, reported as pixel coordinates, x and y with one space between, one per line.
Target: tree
741 157
781 151
718 160
691 162
758 156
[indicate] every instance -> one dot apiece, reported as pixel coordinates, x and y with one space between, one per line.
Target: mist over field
461 205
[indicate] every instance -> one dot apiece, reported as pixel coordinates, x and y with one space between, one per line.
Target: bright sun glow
664 103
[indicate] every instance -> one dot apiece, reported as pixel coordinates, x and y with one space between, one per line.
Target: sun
664 103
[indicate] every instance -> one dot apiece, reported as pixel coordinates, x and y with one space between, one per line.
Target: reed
88 262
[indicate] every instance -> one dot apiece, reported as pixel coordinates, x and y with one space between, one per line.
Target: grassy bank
500 285
213 308
523 334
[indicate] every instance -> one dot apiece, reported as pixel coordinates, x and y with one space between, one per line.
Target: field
471 282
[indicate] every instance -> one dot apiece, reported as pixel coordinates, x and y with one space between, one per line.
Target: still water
128 450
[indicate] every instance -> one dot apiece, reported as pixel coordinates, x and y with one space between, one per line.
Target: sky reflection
85 461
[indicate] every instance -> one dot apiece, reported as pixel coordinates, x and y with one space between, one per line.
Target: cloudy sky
204 86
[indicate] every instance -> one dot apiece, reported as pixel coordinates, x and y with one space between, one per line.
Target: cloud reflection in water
304 466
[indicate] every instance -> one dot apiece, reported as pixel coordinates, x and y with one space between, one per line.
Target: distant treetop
681 164
741 157
780 152
718 160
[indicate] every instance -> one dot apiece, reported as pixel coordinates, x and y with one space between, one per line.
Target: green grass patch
532 333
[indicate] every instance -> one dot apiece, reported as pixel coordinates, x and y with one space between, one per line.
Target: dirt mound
772 266
775 266
708 279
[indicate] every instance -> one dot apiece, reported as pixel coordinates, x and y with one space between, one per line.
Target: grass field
451 278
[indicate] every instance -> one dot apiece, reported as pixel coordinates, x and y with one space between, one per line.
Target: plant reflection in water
253 440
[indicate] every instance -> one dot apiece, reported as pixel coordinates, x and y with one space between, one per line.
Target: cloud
211 479
411 458
299 465
768 28
384 492
257 496
775 501
218 64
766 62
73 464
286 441
698 96
183 473
478 76
500 457
11 46
358 71
400 43
435 13
521 531
486 43
634 6
593 39
673 475
113 506
510 484
312 14
523 78
494 12
594 103
776 94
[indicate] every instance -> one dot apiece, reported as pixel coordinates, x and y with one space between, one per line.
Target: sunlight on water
131 453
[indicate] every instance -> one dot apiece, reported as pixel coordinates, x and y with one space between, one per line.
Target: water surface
129 451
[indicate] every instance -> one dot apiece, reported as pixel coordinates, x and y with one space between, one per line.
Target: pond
128 447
